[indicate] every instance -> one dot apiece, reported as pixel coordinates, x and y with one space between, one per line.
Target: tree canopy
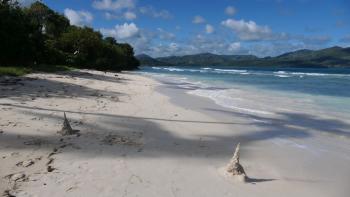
37 35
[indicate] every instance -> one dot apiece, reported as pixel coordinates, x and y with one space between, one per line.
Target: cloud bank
79 18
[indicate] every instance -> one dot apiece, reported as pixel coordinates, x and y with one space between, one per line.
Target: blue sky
258 27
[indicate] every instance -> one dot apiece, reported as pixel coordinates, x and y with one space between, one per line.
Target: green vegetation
52 68
19 71
14 71
330 57
36 35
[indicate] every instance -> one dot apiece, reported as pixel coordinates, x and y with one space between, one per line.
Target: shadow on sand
306 121
158 141
30 88
256 180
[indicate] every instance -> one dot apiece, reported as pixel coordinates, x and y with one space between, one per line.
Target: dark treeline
37 35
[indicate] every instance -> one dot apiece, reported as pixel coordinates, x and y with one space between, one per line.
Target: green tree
47 26
15 38
81 46
39 35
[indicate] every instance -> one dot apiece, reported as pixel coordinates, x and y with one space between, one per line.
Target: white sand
135 142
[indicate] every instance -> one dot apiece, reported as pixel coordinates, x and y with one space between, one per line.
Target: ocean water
265 91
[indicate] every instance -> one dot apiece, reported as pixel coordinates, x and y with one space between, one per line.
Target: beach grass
20 70
52 68
14 71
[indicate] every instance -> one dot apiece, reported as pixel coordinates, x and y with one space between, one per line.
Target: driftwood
234 167
67 129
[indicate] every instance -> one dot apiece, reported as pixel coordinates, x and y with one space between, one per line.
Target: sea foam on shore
264 90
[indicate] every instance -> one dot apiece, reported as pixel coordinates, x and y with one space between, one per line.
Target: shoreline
139 136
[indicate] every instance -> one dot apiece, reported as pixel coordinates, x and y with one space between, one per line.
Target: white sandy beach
135 140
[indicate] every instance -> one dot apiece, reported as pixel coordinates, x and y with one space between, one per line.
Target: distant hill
329 57
148 60
206 59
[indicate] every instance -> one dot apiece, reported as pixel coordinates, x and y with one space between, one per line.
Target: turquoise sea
264 90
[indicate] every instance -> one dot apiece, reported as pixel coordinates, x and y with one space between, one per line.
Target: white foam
231 70
301 74
222 98
173 69
282 76
280 72
312 74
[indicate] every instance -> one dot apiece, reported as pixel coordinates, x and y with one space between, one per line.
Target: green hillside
329 57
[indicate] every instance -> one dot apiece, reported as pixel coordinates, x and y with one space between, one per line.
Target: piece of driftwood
234 167
67 129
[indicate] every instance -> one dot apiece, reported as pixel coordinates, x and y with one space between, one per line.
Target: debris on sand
34 142
133 140
67 129
235 168
50 169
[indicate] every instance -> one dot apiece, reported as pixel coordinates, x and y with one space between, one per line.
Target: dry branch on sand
67 129
234 167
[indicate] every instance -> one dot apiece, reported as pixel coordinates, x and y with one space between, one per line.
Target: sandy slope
134 142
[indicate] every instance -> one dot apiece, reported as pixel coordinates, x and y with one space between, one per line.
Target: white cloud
78 18
110 16
198 20
164 35
236 46
130 15
153 45
162 43
122 32
143 42
151 11
230 10
248 30
127 16
209 29
173 46
194 45
113 5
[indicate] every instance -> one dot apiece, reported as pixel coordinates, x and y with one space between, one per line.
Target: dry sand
134 141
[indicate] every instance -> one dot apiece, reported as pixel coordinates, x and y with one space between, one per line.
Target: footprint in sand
26 163
16 177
